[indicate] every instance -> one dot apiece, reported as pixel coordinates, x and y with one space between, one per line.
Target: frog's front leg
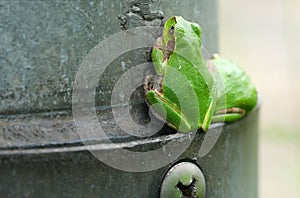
174 118
228 115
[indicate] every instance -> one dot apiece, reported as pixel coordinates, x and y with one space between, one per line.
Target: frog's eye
174 19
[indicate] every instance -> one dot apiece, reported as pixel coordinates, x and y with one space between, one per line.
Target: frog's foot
228 115
174 118
152 82
148 83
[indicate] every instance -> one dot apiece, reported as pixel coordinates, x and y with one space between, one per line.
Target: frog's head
179 31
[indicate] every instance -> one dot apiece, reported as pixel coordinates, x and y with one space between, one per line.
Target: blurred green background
262 36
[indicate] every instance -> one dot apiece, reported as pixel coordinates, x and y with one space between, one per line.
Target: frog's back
187 60
238 89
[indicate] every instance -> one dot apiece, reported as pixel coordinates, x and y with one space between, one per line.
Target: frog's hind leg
228 115
174 118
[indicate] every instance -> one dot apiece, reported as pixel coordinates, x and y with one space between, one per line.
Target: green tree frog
187 88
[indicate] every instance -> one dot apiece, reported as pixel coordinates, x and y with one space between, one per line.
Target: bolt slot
188 191
184 180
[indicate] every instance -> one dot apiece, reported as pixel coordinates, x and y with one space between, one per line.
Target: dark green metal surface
41 153
44 42
230 168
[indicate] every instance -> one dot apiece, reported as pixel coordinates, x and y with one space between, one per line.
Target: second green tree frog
185 85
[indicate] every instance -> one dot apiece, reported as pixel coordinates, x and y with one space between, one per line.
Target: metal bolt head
183 180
